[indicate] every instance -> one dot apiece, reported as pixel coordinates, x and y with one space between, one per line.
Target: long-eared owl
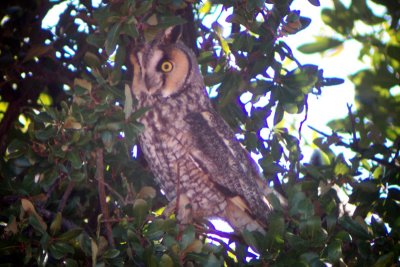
203 170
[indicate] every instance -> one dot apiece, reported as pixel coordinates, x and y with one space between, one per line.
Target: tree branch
357 149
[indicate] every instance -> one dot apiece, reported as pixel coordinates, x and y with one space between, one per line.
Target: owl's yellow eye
166 66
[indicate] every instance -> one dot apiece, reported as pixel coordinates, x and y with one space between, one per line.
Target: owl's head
163 67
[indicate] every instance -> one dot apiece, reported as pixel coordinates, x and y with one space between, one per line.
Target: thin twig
65 196
305 116
117 220
102 194
113 191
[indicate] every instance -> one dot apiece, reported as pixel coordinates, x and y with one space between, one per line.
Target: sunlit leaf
45 99
205 7
321 44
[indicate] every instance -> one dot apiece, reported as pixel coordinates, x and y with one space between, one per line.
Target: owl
203 170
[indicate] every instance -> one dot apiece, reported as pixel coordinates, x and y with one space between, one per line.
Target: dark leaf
36 224
332 81
112 38
314 2
69 235
354 228
111 254
140 211
279 112
394 52
58 250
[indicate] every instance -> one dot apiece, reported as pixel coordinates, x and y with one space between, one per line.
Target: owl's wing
220 155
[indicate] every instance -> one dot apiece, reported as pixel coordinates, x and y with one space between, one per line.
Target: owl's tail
241 217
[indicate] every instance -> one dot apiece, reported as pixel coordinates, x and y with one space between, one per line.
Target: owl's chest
165 142
164 129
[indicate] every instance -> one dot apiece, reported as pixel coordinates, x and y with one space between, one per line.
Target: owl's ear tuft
172 34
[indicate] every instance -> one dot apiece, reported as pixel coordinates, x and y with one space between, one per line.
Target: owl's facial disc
159 70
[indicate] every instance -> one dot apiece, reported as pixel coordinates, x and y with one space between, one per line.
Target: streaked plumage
193 153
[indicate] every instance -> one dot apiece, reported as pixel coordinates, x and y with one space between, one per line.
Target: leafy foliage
72 192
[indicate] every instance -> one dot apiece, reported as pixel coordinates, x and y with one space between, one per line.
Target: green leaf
75 159
339 19
276 224
112 38
253 4
333 251
16 149
130 29
71 263
45 99
354 228
140 211
45 134
92 60
96 39
58 250
34 222
279 112
394 52
108 140
167 21
120 57
300 204
301 80
166 261
188 236
143 8
213 261
321 44
56 224
297 242
250 239
70 234
310 227
111 253
155 230
205 7
386 260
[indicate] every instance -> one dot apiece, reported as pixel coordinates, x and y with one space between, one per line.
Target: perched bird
194 155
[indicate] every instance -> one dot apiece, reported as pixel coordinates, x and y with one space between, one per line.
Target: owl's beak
147 82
